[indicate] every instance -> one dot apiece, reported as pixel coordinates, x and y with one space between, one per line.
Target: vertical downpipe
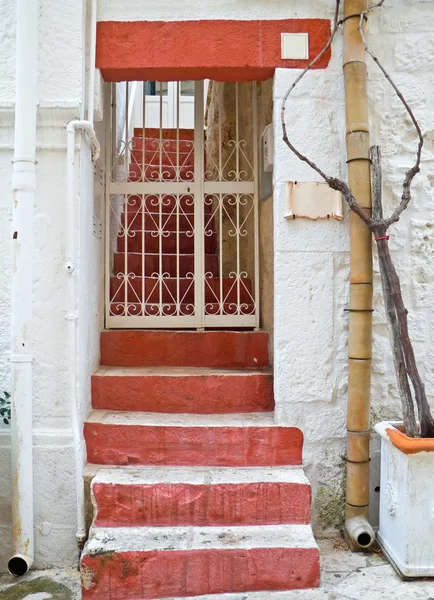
358 531
23 184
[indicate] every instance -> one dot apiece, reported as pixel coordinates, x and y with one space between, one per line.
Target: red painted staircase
196 491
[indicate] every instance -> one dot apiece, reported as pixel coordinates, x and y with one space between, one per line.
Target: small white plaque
295 46
313 200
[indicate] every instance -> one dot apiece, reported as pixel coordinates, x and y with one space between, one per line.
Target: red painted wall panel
223 50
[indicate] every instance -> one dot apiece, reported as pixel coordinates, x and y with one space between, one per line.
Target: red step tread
153 348
166 133
183 504
169 244
117 443
152 221
171 391
151 575
168 264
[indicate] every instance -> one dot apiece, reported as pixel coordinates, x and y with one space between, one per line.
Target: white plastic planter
406 532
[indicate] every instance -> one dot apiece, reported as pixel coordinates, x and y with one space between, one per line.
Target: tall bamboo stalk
361 278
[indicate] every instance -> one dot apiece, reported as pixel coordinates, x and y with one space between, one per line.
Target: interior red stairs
177 164
196 492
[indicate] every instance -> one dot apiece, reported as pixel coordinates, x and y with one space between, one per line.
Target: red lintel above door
222 50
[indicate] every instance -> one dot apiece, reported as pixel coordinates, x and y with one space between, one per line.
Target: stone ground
345 576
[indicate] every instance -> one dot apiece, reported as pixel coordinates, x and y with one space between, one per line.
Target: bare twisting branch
407 405
411 173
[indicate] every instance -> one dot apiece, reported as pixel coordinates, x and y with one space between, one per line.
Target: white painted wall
167 10
311 260
61 90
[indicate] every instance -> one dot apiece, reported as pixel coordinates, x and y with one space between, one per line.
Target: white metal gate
182 210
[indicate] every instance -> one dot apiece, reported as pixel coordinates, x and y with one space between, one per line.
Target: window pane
187 88
153 88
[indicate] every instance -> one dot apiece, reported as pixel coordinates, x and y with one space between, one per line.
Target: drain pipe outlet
23 185
358 531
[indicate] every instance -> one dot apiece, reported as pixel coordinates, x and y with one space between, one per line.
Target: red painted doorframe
222 50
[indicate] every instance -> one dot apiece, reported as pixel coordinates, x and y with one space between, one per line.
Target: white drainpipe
72 309
23 184
92 58
72 315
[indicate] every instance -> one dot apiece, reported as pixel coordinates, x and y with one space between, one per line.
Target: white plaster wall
312 260
167 10
62 33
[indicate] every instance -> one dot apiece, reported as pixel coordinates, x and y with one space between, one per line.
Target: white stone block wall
312 259
61 93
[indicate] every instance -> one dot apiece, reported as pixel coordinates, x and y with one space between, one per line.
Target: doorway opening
182 232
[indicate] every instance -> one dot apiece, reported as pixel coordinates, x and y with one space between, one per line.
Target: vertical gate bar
160 209
143 178
127 126
113 108
127 171
178 166
221 199
108 176
219 176
199 242
178 199
237 133
161 132
143 200
237 233
238 196
256 199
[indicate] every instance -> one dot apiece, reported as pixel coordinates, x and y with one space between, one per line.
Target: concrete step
170 264
166 562
182 390
218 349
201 497
224 289
241 440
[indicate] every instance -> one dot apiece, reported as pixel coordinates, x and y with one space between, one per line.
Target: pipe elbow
19 564
360 533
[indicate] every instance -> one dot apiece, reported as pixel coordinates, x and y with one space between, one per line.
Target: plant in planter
5 408
407 469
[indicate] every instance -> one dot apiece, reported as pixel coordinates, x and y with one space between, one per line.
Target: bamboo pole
357 529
